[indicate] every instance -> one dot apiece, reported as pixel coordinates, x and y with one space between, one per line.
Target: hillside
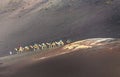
24 22
95 57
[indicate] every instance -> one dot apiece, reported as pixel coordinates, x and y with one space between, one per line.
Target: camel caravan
42 46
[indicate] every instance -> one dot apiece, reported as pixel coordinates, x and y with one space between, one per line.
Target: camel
53 45
68 41
60 43
26 48
44 46
21 49
49 45
36 47
40 46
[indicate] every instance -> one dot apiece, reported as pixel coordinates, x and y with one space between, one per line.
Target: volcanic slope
24 22
96 57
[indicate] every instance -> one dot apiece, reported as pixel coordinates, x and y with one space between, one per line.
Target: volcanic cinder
24 22
96 57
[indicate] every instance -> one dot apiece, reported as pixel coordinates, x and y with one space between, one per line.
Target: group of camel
42 46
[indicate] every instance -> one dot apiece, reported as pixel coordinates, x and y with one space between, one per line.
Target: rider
49 45
44 46
68 41
10 53
53 44
61 42
36 47
21 49
27 48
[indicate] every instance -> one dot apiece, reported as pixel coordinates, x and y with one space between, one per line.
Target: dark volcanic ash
97 57
23 22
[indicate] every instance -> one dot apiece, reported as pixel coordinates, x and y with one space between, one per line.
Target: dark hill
25 22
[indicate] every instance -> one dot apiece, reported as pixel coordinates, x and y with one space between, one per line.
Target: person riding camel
44 46
68 41
53 45
40 46
26 48
36 47
16 49
61 42
58 44
49 45
21 49
31 47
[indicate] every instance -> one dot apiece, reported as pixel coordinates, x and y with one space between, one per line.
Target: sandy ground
98 61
